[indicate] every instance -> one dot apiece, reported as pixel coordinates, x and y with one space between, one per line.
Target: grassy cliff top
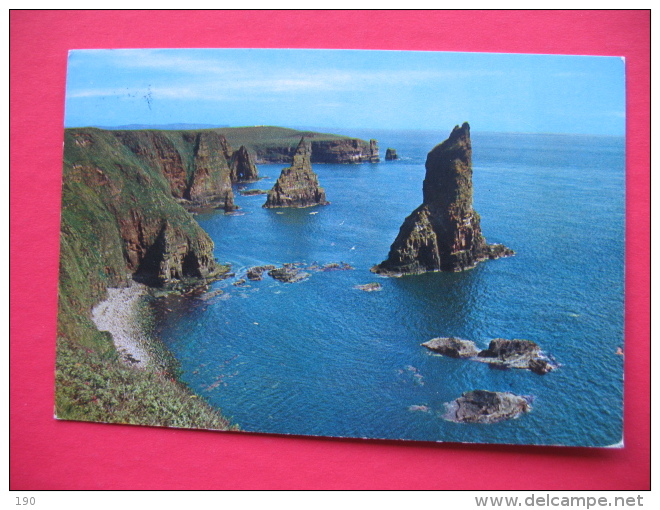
263 136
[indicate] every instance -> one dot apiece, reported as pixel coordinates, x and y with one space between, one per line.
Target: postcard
402 245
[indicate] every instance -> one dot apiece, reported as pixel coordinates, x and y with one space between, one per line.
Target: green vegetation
256 137
117 206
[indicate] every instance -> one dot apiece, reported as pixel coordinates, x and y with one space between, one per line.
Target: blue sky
347 89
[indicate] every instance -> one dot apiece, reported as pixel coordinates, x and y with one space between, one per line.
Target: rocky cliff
298 185
121 220
271 144
242 166
194 163
444 233
119 207
350 150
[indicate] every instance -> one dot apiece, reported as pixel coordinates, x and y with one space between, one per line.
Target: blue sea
322 358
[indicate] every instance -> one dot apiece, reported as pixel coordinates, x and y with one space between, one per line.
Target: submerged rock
481 406
452 347
369 287
391 155
298 185
516 353
444 233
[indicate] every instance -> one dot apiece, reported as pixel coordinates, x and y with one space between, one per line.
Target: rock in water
481 406
444 233
516 353
452 347
298 185
391 155
242 166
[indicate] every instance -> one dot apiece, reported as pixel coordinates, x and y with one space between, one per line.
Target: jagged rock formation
501 353
391 155
242 167
481 406
444 233
120 210
374 157
452 347
210 183
298 185
121 220
194 163
516 353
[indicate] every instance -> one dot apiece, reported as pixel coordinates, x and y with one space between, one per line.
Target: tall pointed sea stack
444 233
298 185
242 166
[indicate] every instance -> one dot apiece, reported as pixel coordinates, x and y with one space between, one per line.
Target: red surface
47 454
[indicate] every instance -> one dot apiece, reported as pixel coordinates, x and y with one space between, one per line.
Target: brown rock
298 185
444 233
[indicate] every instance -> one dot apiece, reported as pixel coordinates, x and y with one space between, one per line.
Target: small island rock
481 406
452 347
391 155
516 353
298 185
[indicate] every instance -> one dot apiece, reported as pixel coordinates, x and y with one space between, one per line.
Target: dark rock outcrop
298 185
391 155
242 166
256 273
516 353
452 347
481 406
444 233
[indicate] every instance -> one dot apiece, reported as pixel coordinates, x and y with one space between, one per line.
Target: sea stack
391 155
298 185
444 233
242 166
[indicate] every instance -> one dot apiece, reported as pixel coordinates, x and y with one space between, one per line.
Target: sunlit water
320 357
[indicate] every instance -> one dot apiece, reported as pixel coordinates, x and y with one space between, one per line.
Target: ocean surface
320 357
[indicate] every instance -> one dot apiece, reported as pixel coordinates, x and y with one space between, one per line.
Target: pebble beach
118 315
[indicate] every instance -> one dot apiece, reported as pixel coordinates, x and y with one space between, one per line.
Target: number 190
25 501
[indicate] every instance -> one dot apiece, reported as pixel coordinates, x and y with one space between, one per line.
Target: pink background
47 454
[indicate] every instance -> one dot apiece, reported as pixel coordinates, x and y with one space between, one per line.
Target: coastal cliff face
121 217
350 150
444 233
342 151
298 185
193 162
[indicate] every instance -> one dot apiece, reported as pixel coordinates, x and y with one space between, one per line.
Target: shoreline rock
481 406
